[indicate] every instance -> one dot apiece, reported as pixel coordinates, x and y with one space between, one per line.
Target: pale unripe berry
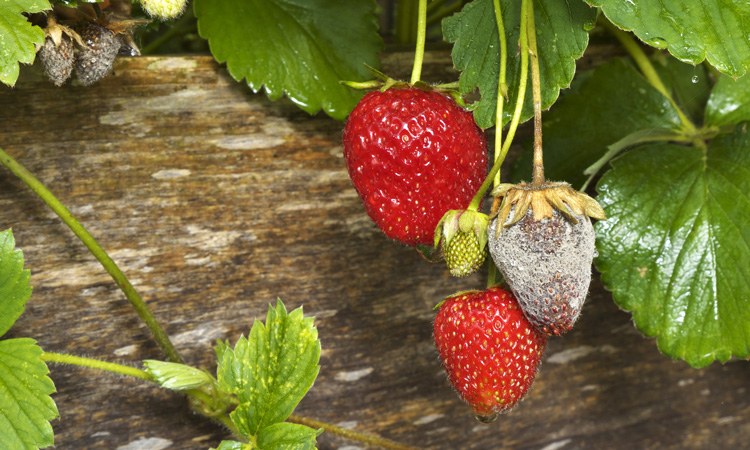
164 9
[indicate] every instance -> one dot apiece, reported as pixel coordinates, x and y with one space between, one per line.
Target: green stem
435 5
120 369
185 24
421 33
502 87
536 89
648 70
442 13
522 81
350 434
109 265
96 364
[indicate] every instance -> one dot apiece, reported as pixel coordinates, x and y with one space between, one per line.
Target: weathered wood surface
216 201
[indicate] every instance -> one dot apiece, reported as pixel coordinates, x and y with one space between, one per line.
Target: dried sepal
543 200
55 32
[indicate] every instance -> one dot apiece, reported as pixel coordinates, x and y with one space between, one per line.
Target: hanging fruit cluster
418 162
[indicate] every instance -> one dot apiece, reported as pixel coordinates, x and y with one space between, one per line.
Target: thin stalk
359 437
522 82
185 24
421 38
120 369
536 89
109 265
648 70
501 85
97 364
404 14
442 13
434 5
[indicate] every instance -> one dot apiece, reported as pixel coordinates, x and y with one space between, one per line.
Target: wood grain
215 202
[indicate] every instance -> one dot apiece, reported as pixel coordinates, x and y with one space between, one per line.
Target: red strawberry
489 349
412 155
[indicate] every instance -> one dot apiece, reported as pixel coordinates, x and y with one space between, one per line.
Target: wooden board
216 201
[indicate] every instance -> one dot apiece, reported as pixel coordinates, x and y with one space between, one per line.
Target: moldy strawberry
543 242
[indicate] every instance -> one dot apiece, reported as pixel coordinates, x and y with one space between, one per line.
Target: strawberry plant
639 165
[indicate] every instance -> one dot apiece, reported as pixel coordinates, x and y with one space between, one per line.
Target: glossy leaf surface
675 249
302 49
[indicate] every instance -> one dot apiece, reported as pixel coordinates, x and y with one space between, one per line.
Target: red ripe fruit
412 155
489 349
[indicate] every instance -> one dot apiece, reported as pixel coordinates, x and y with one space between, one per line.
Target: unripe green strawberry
488 348
164 9
464 255
464 239
94 62
544 249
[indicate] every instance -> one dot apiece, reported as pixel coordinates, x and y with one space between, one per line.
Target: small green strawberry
488 348
164 9
464 240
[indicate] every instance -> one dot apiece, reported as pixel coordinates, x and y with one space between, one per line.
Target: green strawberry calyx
466 221
464 236
383 82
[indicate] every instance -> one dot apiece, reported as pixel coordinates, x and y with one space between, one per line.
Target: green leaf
233 445
271 370
716 30
178 377
561 39
287 436
729 102
14 282
25 403
18 36
301 49
675 248
610 103
689 85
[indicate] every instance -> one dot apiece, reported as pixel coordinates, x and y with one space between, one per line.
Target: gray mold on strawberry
547 265
94 62
57 59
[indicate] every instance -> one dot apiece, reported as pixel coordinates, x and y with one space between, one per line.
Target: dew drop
695 79
487 419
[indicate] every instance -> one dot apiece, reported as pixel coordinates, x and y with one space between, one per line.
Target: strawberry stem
351 434
536 89
648 71
97 364
421 33
502 88
522 81
141 308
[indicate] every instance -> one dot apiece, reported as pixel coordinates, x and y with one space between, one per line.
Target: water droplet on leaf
695 79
